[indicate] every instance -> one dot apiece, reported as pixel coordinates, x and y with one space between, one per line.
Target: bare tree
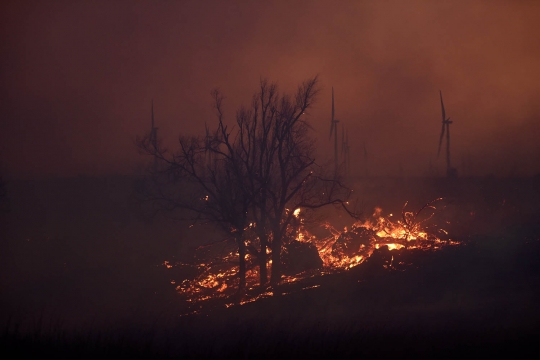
204 179
283 173
252 177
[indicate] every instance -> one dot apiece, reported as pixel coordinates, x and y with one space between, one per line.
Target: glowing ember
340 251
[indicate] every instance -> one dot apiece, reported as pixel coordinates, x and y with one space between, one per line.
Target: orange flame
340 251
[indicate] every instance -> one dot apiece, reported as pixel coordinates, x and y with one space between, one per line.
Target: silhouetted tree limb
249 178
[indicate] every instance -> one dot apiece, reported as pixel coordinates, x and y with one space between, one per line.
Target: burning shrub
299 256
380 257
351 242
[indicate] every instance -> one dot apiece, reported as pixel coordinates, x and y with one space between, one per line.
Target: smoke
78 78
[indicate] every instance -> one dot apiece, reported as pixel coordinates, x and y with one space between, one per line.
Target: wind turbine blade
332 121
343 145
442 107
440 141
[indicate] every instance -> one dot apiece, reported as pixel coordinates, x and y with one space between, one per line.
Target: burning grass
307 256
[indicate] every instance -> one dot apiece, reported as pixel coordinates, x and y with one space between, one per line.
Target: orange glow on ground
339 251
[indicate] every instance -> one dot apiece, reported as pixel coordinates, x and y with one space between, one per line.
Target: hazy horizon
78 79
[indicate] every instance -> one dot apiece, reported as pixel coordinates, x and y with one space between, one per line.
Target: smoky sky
78 77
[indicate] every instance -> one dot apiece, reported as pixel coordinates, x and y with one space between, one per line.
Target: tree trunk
262 258
263 270
242 262
276 258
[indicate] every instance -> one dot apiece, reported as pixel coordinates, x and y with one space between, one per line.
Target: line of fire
259 182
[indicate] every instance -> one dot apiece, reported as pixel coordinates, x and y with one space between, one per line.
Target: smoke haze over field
77 78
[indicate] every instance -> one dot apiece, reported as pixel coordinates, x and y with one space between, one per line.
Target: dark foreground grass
259 341
92 346
480 299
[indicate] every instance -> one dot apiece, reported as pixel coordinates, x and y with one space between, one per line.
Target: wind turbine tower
450 171
333 130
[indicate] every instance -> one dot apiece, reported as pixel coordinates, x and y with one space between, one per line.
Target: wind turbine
333 130
450 172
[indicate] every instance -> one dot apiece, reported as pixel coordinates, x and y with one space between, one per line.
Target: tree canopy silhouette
249 178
